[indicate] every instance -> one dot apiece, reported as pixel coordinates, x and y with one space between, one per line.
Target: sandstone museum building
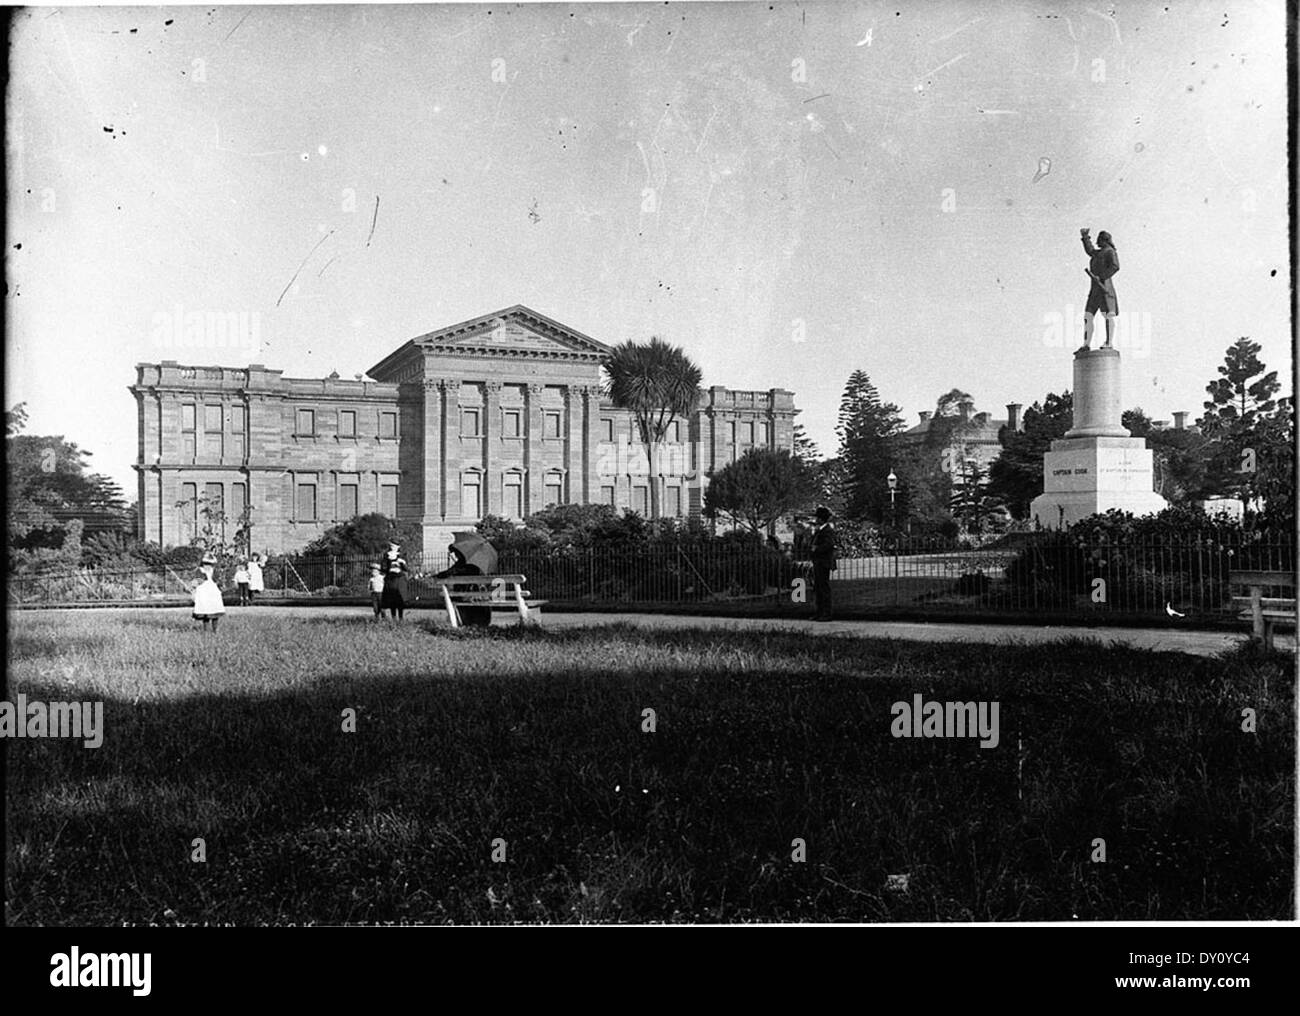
502 415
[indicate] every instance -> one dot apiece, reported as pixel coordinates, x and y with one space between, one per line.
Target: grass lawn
535 738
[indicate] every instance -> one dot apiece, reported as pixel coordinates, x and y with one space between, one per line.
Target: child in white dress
208 604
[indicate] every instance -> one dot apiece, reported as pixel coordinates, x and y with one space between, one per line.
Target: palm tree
656 382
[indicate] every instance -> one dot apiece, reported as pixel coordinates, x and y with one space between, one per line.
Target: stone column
591 437
492 447
431 437
571 429
451 463
1097 406
534 462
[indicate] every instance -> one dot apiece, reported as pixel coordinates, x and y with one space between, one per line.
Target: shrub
365 536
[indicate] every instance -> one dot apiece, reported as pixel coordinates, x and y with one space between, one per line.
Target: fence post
895 569
334 571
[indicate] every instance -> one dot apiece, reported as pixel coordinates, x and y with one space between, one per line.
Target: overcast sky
788 191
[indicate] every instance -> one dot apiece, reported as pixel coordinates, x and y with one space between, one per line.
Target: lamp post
892 480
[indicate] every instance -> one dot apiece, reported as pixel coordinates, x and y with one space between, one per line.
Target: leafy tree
1178 458
923 492
949 404
584 525
759 488
218 533
365 536
48 485
1016 476
1248 428
864 428
658 383
15 419
823 473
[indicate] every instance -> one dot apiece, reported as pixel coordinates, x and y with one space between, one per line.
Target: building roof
512 331
974 430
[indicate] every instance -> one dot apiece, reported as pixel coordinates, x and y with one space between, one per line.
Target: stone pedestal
1098 465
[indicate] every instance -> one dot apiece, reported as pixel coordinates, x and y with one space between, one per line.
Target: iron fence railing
1029 573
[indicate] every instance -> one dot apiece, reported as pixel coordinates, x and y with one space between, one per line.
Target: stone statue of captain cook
1103 263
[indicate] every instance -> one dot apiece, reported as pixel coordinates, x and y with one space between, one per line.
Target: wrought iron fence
1040 573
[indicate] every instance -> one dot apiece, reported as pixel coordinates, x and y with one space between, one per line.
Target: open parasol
476 551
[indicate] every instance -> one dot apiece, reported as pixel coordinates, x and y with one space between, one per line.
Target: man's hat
823 512
374 567
209 559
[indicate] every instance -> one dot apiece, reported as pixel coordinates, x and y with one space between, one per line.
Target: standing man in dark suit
823 561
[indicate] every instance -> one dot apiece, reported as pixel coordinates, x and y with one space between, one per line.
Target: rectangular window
767 435
306 423
469 423
607 495
674 434
236 446
187 448
238 499
552 425
470 502
347 424
214 496
641 500
553 492
731 432
238 416
673 502
212 445
749 432
512 503
347 501
388 500
388 425
212 419
306 502
188 512
607 430
187 417
510 426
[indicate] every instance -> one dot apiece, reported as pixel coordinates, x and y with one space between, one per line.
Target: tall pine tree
1249 430
864 426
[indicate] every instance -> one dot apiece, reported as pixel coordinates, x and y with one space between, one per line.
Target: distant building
972 441
503 414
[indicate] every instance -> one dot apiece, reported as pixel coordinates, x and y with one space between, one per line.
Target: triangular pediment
516 332
509 334
517 329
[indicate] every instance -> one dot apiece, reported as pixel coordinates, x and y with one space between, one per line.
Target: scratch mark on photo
963 28
373 219
303 265
236 28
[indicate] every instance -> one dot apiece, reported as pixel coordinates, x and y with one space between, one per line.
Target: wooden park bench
487 591
1263 611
